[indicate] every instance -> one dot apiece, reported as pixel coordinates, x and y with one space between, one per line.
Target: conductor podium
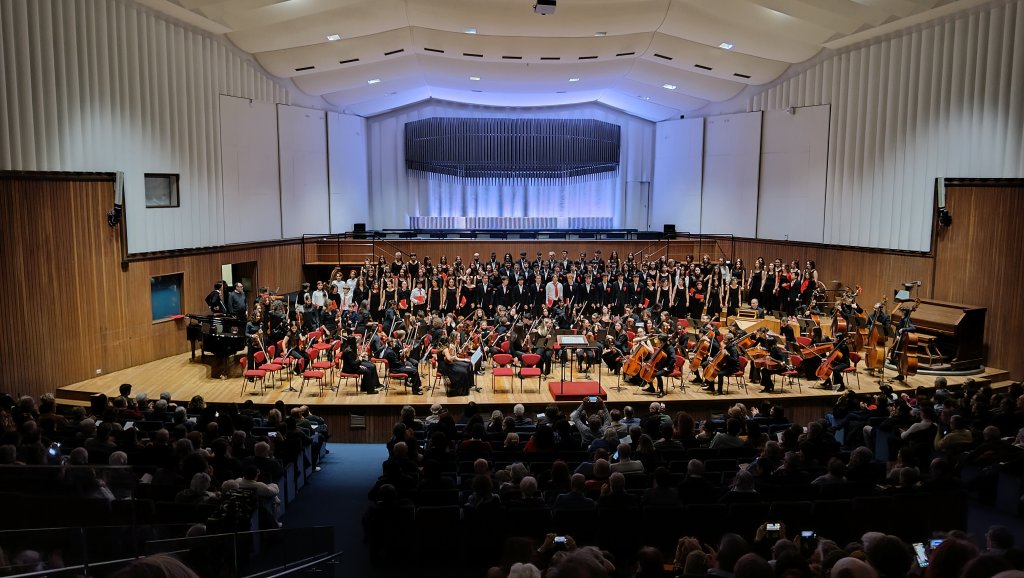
572 389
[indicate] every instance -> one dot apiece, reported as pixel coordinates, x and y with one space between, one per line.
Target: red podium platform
575 390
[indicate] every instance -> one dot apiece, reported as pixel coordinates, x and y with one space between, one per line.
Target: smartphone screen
922 557
772 527
933 544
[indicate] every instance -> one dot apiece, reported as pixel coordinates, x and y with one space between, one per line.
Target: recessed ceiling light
470 30
474 78
600 34
392 93
643 97
333 37
669 86
725 45
574 80
373 81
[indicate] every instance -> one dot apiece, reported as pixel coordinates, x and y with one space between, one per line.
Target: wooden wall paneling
68 302
978 262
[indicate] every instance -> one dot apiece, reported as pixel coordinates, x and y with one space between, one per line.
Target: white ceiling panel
621 51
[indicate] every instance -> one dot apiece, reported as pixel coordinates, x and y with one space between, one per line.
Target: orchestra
638 315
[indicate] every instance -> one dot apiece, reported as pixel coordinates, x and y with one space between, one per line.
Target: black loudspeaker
359 230
670 231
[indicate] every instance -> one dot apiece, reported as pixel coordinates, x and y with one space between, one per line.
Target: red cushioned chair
854 360
738 375
270 367
251 375
336 366
310 374
502 366
793 374
529 369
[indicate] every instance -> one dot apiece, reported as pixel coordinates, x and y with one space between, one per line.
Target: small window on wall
161 191
165 296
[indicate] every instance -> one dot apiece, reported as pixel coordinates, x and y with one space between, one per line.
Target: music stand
572 343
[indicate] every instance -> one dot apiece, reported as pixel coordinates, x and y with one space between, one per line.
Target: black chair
437 536
528 522
662 526
831 519
744 519
706 521
795 515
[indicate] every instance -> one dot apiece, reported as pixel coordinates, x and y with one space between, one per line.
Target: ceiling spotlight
574 80
373 81
600 34
790 110
725 45
669 86
333 37
474 78
645 97
544 7
470 30
392 93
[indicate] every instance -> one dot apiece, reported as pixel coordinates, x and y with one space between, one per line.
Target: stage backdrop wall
396 194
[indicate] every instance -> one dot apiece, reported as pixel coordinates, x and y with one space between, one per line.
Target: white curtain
396 194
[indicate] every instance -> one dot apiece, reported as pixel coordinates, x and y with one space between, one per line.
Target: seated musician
841 363
396 360
544 334
350 363
810 364
773 364
295 344
787 331
664 367
589 357
457 370
730 364
616 346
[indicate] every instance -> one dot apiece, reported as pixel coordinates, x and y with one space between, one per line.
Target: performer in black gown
350 363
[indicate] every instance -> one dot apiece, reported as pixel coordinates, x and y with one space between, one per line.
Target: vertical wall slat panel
945 99
107 85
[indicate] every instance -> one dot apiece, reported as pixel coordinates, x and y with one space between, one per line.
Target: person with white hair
519 412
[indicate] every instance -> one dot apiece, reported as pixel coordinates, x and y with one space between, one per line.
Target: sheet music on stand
476 357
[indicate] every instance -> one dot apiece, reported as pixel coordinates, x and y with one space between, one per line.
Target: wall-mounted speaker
359 230
670 231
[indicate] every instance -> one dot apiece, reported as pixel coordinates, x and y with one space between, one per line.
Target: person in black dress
350 363
458 372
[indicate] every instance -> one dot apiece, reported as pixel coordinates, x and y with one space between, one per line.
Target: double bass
874 357
907 361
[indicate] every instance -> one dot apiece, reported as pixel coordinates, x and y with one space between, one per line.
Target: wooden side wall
979 262
69 308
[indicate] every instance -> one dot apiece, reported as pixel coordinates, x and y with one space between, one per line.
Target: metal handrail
321 560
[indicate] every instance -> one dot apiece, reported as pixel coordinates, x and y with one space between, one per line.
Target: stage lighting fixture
945 219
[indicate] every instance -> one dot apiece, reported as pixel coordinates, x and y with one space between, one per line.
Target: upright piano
220 335
954 335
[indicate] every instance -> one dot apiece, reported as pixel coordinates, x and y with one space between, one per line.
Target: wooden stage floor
184 378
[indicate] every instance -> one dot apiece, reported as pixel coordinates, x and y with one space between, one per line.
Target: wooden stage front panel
184 378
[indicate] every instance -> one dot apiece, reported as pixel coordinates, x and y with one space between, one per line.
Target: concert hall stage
359 417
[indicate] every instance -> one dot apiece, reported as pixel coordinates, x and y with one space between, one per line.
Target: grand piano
220 335
952 335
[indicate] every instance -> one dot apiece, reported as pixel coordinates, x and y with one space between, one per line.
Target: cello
703 348
825 369
650 367
633 366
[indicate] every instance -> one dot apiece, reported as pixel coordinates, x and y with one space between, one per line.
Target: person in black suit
215 300
398 364
350 363
775 363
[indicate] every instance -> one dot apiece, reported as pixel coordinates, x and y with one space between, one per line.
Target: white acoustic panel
349 171
942 99
252 193
732 147
108 85
794 159
302 150
678 173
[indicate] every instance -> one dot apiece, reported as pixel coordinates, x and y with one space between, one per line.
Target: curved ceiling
656 59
